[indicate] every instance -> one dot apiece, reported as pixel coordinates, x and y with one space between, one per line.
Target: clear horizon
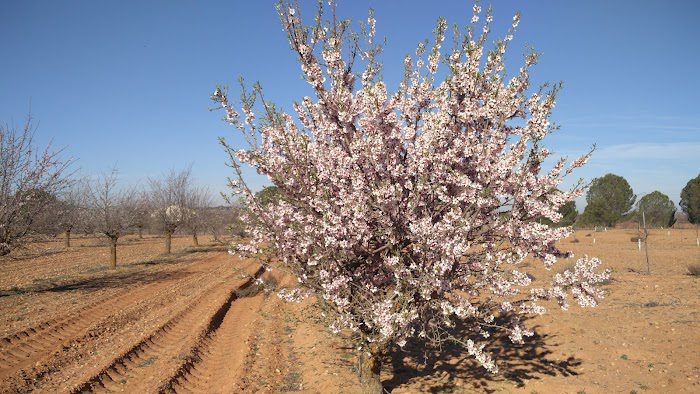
127 84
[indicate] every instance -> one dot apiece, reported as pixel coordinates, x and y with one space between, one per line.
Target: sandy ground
194 322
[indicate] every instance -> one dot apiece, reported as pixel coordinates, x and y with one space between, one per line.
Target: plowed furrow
219 357
61 369
23 349
138 368
97 302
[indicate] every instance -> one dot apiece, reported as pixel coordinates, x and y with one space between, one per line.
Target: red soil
195 322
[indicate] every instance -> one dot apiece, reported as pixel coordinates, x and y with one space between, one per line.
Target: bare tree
196 202
70 210
113 210
168 200
221 220
142 212
30 177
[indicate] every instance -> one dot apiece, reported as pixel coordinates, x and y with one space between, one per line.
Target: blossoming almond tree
406 212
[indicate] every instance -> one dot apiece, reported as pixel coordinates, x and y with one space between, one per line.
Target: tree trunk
140 232
168 240
4 248
67 240
113 252
370 370
194 238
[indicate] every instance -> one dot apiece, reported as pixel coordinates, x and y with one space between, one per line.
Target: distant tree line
40 196
611 200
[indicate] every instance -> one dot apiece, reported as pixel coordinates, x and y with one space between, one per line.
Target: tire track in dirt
219 355
263 355
22 350
266 361
139 367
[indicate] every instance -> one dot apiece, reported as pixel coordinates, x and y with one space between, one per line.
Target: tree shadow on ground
452 368
175 257
29 255
101 276
116 279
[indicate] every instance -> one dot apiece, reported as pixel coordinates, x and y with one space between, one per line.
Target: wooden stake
646 242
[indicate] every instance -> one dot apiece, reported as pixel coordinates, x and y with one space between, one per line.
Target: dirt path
218 358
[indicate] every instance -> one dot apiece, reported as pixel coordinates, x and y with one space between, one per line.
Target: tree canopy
658 209
608 199
391 201
690 200
268 195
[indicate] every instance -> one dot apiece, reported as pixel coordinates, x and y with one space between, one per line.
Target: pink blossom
407 211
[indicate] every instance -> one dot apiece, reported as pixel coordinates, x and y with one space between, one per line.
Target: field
192 322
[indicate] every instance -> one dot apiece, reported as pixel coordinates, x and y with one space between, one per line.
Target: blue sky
127 83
